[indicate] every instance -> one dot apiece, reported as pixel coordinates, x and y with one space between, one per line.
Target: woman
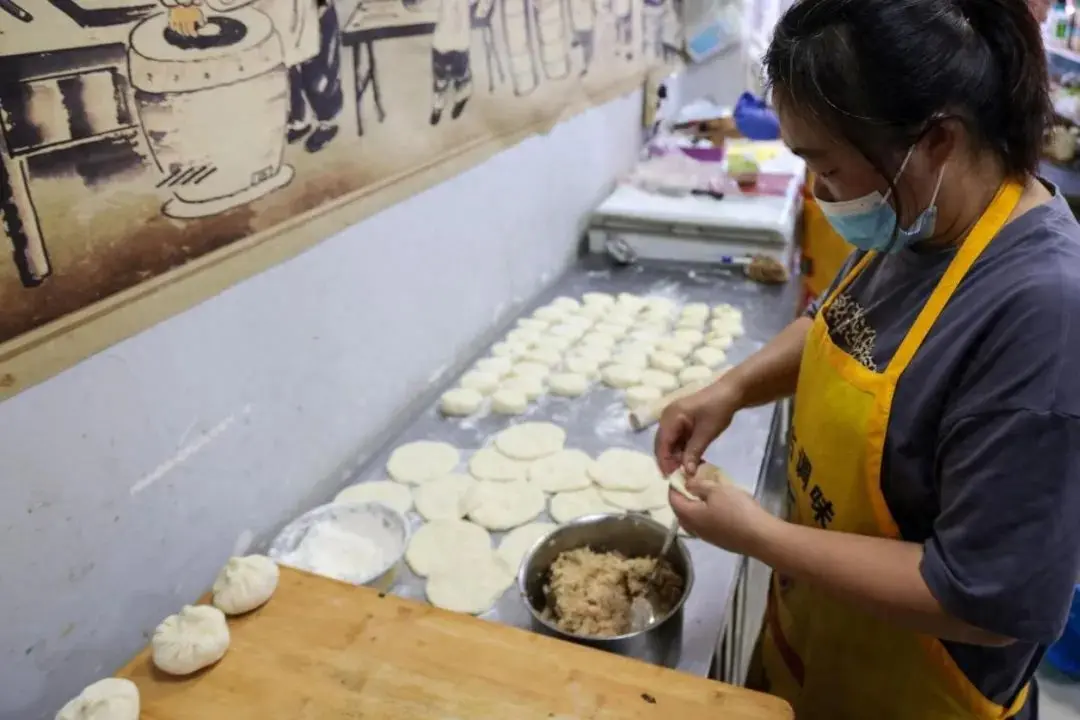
932 541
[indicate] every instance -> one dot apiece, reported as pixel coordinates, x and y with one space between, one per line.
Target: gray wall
126 481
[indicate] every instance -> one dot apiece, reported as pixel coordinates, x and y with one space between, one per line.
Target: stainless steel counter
598 420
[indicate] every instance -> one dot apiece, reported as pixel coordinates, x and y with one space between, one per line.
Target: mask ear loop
937 188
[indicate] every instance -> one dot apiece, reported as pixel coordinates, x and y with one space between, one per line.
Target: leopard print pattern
849 329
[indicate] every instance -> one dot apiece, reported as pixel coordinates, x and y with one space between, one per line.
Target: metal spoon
642 612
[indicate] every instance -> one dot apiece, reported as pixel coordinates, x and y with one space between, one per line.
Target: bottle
1059 25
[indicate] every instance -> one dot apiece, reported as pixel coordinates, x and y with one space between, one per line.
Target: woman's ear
942 139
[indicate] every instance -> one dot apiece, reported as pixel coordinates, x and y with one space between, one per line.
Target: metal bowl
633 536
378 523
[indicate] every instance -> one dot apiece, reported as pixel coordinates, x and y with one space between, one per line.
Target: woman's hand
688 426
726 515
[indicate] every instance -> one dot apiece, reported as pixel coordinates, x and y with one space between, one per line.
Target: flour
332 551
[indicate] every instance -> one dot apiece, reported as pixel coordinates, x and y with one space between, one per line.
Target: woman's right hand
688 427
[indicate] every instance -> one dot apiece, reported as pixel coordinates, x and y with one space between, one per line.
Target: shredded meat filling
590 593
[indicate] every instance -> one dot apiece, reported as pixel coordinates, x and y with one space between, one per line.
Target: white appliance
633 223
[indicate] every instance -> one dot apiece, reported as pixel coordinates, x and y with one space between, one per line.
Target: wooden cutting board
323 650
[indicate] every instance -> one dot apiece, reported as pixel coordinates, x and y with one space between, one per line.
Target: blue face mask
868 222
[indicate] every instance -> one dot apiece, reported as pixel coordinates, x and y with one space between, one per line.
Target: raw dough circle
641 394
521 336
460 402
393 495
630 303
549 313
621 317
659 379
695 310
490 464
709 357
108 699
666 361
499 365
719 341
441 544
675 347
246 583
599 299
622 469
420 461
194 638
583 366
482 382
695 337
509 402
444 499
471 587
530 440
592 352
553 344
566 303
621 376
569 506
637 358
665 516
538 356
579 321
530 368
566 330
728 326
655 495
508 349
647 336
502 506
616 331
598 339
593 312
520 540
533 324
530 386
694 374
568 384
726 310
691 322
659 305
563 471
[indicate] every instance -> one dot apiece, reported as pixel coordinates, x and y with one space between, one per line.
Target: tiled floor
1059 697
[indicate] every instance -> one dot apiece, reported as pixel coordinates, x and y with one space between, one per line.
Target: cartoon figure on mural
517 24
623 10
583 23
309 34
451 65
554 50
653 14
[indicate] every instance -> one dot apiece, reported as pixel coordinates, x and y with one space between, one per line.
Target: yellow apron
828 658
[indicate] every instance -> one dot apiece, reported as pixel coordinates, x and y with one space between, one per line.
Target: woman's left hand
725 516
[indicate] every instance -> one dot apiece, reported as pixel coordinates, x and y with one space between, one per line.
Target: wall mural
141 140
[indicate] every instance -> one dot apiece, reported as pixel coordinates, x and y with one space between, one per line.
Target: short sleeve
1004 554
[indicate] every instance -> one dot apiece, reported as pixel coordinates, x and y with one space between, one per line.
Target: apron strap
985 230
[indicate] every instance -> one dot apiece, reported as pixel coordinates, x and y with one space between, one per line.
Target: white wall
126 481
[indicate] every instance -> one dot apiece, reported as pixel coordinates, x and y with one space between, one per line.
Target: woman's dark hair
881 73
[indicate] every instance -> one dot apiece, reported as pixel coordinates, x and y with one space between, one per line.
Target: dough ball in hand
194 638
245 583
108 699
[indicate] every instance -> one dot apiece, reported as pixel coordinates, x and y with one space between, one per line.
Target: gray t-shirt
982 455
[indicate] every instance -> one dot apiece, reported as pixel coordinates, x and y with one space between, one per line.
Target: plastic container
383 527
1064 655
